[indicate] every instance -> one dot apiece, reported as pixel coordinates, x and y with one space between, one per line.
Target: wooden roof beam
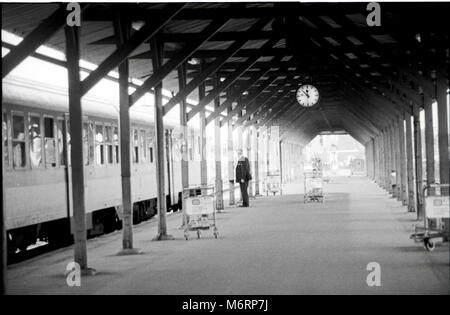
211 68
125 49
177 60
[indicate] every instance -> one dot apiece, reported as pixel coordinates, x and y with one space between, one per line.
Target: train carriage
37 163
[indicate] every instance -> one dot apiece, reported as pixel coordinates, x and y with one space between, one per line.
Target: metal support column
202 120
3 244
122 29
392 153
418 164
403 169
443 120
250 157
387 165
410 164
157 49
218 156
76 153
397 155
231 177
257 155
429 138
182 77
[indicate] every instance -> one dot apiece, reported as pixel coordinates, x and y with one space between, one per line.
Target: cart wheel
198 233
429 244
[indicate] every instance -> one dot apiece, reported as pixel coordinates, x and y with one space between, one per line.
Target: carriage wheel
429 244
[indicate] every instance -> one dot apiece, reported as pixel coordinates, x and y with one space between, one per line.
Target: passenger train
37 173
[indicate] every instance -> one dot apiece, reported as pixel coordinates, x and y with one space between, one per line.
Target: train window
60 139
49 142
151 154
135 146
5 140
149 139
191 144
99 146
91 137
34 132
68 142
116 144
18 140
142 146
109 146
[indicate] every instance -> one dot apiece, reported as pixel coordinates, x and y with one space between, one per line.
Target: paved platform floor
277 246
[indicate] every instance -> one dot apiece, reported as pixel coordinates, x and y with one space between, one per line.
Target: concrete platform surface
277 246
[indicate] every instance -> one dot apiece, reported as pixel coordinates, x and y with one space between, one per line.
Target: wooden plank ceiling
366 75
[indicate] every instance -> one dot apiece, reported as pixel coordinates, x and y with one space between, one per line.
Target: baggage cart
273 184
199 211
313 185
436 207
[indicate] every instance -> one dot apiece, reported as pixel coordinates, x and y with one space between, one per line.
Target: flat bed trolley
199 211
436 207
273 184
313 186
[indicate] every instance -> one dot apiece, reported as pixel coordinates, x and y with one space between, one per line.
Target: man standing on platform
243 176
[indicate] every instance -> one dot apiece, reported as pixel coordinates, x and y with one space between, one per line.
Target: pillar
391 152
444 148
397 150
157 57
443 119
202 119
250 157
76 152
218 158
240 144
429 139
3 244
231 175
182 76
122 29
387 158
256 175
418 164
403 167
410 164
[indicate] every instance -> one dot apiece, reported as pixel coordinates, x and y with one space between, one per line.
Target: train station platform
277 246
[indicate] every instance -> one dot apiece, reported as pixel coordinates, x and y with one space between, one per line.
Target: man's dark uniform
243 172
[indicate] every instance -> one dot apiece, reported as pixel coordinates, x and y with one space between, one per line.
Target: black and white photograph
224 153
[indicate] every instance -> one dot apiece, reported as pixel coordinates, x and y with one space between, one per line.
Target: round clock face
307 95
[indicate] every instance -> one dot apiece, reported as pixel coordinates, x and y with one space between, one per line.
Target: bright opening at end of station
339 154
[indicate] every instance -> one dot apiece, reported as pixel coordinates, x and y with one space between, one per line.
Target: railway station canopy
370 64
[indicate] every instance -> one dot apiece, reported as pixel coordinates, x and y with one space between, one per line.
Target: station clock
307 95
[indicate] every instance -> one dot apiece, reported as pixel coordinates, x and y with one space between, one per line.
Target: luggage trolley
436 207
313 186
273 184
199 211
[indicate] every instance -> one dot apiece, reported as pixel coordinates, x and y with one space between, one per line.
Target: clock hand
306 94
